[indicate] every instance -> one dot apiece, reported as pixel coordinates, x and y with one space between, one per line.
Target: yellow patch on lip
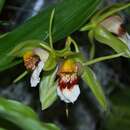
68 66
27 55
30 60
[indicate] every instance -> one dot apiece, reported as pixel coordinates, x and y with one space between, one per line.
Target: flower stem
70 40
20 76
46 47
102 59
92 50
50 28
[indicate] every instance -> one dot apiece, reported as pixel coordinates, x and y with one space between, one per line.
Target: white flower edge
35 78
69 95
126 39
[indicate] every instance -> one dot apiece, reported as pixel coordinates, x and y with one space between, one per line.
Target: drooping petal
69 95
35 79
126 39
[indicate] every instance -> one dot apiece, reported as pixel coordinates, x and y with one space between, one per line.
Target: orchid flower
68 88
34 61
46 58
103 25
114 24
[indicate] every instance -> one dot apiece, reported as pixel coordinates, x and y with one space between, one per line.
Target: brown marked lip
31 62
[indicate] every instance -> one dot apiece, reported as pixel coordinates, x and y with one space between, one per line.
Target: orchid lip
69 95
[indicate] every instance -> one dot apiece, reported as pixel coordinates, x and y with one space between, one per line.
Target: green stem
50 28
20 76
92 50
74 43
86 27
46 47
103 59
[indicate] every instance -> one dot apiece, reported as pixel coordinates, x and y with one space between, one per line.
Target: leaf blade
47 90
66 21
22 116
90 79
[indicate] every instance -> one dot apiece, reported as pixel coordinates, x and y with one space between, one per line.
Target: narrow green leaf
108 11
22 116
70 15
47 89
90 79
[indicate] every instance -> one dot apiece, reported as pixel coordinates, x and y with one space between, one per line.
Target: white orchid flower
68 88
35 61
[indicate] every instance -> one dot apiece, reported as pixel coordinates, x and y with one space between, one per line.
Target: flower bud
114 25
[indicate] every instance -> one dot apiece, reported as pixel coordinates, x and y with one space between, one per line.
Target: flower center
68 80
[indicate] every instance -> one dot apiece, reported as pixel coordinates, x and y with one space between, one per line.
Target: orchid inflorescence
62 69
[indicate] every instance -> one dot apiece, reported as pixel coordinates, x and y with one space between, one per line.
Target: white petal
126 39
113 23
42 54
72 94
60 94
35 79
69 95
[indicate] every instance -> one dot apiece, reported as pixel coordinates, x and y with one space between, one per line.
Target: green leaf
105 37
47 89
70 15
22 116
2 129
22 47
90 79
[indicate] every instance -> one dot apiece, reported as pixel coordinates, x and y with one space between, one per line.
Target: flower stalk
50 28
100 59
20 76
